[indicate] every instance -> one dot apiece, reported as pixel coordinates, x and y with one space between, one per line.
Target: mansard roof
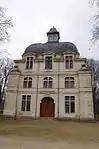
55 47
52 45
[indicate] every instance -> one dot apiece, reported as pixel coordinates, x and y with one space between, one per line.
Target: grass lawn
52 130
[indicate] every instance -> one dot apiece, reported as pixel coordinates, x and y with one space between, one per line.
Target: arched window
69 82
27 82
47 82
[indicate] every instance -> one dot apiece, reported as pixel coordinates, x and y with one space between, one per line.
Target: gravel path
14 142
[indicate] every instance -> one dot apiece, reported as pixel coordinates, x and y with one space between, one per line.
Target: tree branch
5 24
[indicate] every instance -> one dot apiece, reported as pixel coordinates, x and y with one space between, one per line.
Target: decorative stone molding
81 59
20 61
47 92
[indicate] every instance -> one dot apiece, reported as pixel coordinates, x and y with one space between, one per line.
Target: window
69 82
48 81
29 63
48 62
26 101
68 62
69 104
27 82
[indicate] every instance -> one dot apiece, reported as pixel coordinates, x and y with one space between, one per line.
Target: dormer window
29 63
48 62
68 62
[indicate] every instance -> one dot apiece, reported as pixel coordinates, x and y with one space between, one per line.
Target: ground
48 134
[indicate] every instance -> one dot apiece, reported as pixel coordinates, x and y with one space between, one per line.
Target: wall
62 113
33 104
86 99
12 94
10 103
82 90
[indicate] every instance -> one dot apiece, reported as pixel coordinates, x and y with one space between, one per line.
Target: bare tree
6 66
94 66
5 24
95 21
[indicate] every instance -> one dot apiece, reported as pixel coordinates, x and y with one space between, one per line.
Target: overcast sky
33 18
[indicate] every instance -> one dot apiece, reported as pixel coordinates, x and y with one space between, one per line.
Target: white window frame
26 102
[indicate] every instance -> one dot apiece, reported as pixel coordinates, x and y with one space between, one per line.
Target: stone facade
82 90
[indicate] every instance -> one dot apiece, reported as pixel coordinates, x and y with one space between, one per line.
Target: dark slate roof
56 47
53 30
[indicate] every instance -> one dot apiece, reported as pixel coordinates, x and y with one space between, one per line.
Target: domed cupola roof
52 45
52 30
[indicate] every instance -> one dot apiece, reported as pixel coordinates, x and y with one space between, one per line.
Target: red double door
47 107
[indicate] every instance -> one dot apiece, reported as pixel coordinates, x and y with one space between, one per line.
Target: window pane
72 78
27 65
71 84
50 84
31 64
50 78
25 84
28 96
49 58
50 65
48 62
23 103
66 84
72 98
66 104
30 78
27 58
31 58
66 107
66 98
24 97
71 64
71 58
28 103
26 78
30 84
72 106
45 84
67 57
66 64
46 78
67 78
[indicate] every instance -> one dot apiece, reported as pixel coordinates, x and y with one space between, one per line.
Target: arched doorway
47 107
